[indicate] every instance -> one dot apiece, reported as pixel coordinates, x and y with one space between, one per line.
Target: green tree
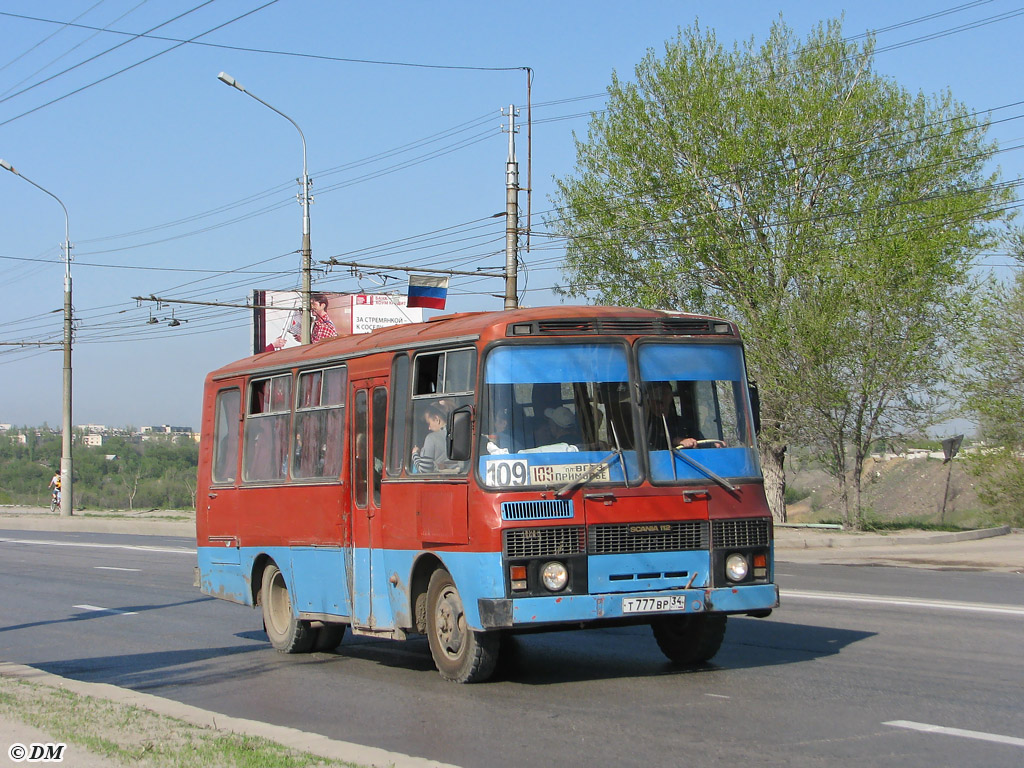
830 212
995 396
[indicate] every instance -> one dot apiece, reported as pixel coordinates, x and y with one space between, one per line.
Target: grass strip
129 735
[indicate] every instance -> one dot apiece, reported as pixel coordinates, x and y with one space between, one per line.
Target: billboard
277 316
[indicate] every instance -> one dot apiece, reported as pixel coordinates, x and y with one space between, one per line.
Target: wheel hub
450 620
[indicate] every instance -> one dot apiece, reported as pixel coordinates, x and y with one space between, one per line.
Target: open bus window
225 436
265 454
442 382
550 413
318 438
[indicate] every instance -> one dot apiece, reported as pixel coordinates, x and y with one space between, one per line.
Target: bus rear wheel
287 633
461 655
690 639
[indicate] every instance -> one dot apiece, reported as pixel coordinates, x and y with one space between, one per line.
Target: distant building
94 441
175 433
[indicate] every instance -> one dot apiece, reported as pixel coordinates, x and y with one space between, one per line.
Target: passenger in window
562 426
545 397
499 439
433 456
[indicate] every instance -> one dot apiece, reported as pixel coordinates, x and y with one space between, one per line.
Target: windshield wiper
701 468
579 482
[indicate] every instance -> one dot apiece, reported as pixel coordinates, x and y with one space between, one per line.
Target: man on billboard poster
277 317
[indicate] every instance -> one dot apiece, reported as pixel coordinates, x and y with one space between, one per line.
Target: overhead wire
596 95
132 66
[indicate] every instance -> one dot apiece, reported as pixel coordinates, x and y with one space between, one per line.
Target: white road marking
98 609
46 542
906 602
981 735
114 568
717 696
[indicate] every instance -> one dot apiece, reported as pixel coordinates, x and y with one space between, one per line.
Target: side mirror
755 405
460 433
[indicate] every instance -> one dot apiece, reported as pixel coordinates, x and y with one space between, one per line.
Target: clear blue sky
180 187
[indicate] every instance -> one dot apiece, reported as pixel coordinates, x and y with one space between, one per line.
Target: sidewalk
995 549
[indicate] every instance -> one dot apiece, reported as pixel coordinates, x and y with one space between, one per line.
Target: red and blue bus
484 474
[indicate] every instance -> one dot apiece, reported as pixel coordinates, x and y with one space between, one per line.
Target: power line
136 64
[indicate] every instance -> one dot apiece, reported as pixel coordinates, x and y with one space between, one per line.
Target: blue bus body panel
318 582
646 571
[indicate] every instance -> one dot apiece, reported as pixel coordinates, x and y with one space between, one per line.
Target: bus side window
380 409
359 435
265 456
399 414
442 382
319 424
225 436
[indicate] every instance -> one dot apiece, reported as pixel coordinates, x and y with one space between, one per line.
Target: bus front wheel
287 633
460 654
690 639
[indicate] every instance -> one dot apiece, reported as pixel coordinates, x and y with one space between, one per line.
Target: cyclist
55 497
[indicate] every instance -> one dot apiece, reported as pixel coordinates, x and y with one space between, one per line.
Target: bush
793 495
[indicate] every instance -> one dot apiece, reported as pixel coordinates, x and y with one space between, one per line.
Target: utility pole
511 216
304 198
66 465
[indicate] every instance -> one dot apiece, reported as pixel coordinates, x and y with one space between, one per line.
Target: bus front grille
544 542
741 533
621 538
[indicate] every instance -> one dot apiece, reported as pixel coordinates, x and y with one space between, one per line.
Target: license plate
653 604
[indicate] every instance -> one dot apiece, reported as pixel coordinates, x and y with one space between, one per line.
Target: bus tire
286 632
690 639
328 637
461 655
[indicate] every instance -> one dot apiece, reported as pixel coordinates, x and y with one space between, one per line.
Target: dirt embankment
893 489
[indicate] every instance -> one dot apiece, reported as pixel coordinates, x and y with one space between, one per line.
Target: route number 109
507 472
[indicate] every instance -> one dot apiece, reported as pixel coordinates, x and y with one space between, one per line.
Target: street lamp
307 251
66 480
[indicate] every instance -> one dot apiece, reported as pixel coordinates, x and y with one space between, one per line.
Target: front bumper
524 612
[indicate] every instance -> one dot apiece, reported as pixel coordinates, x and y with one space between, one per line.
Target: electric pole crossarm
392 268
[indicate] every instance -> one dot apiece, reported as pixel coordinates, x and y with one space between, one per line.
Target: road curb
40 522
851 540
293 738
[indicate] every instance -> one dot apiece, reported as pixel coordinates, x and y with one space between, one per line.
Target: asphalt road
861 665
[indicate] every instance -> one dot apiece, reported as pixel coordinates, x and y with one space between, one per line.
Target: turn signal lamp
760 566
517 575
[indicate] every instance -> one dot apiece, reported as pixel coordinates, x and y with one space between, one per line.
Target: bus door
370 605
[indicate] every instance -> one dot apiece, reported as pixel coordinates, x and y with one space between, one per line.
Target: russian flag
427 291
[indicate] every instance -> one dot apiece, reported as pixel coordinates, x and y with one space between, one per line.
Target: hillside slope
897 489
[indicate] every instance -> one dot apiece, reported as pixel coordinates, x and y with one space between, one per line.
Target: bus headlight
736 567
555 576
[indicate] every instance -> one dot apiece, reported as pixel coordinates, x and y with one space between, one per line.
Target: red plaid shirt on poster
323 328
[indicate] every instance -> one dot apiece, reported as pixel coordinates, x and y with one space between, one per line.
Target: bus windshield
696 412
557 413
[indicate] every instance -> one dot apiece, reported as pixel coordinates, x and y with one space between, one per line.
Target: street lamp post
66 479
307 251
